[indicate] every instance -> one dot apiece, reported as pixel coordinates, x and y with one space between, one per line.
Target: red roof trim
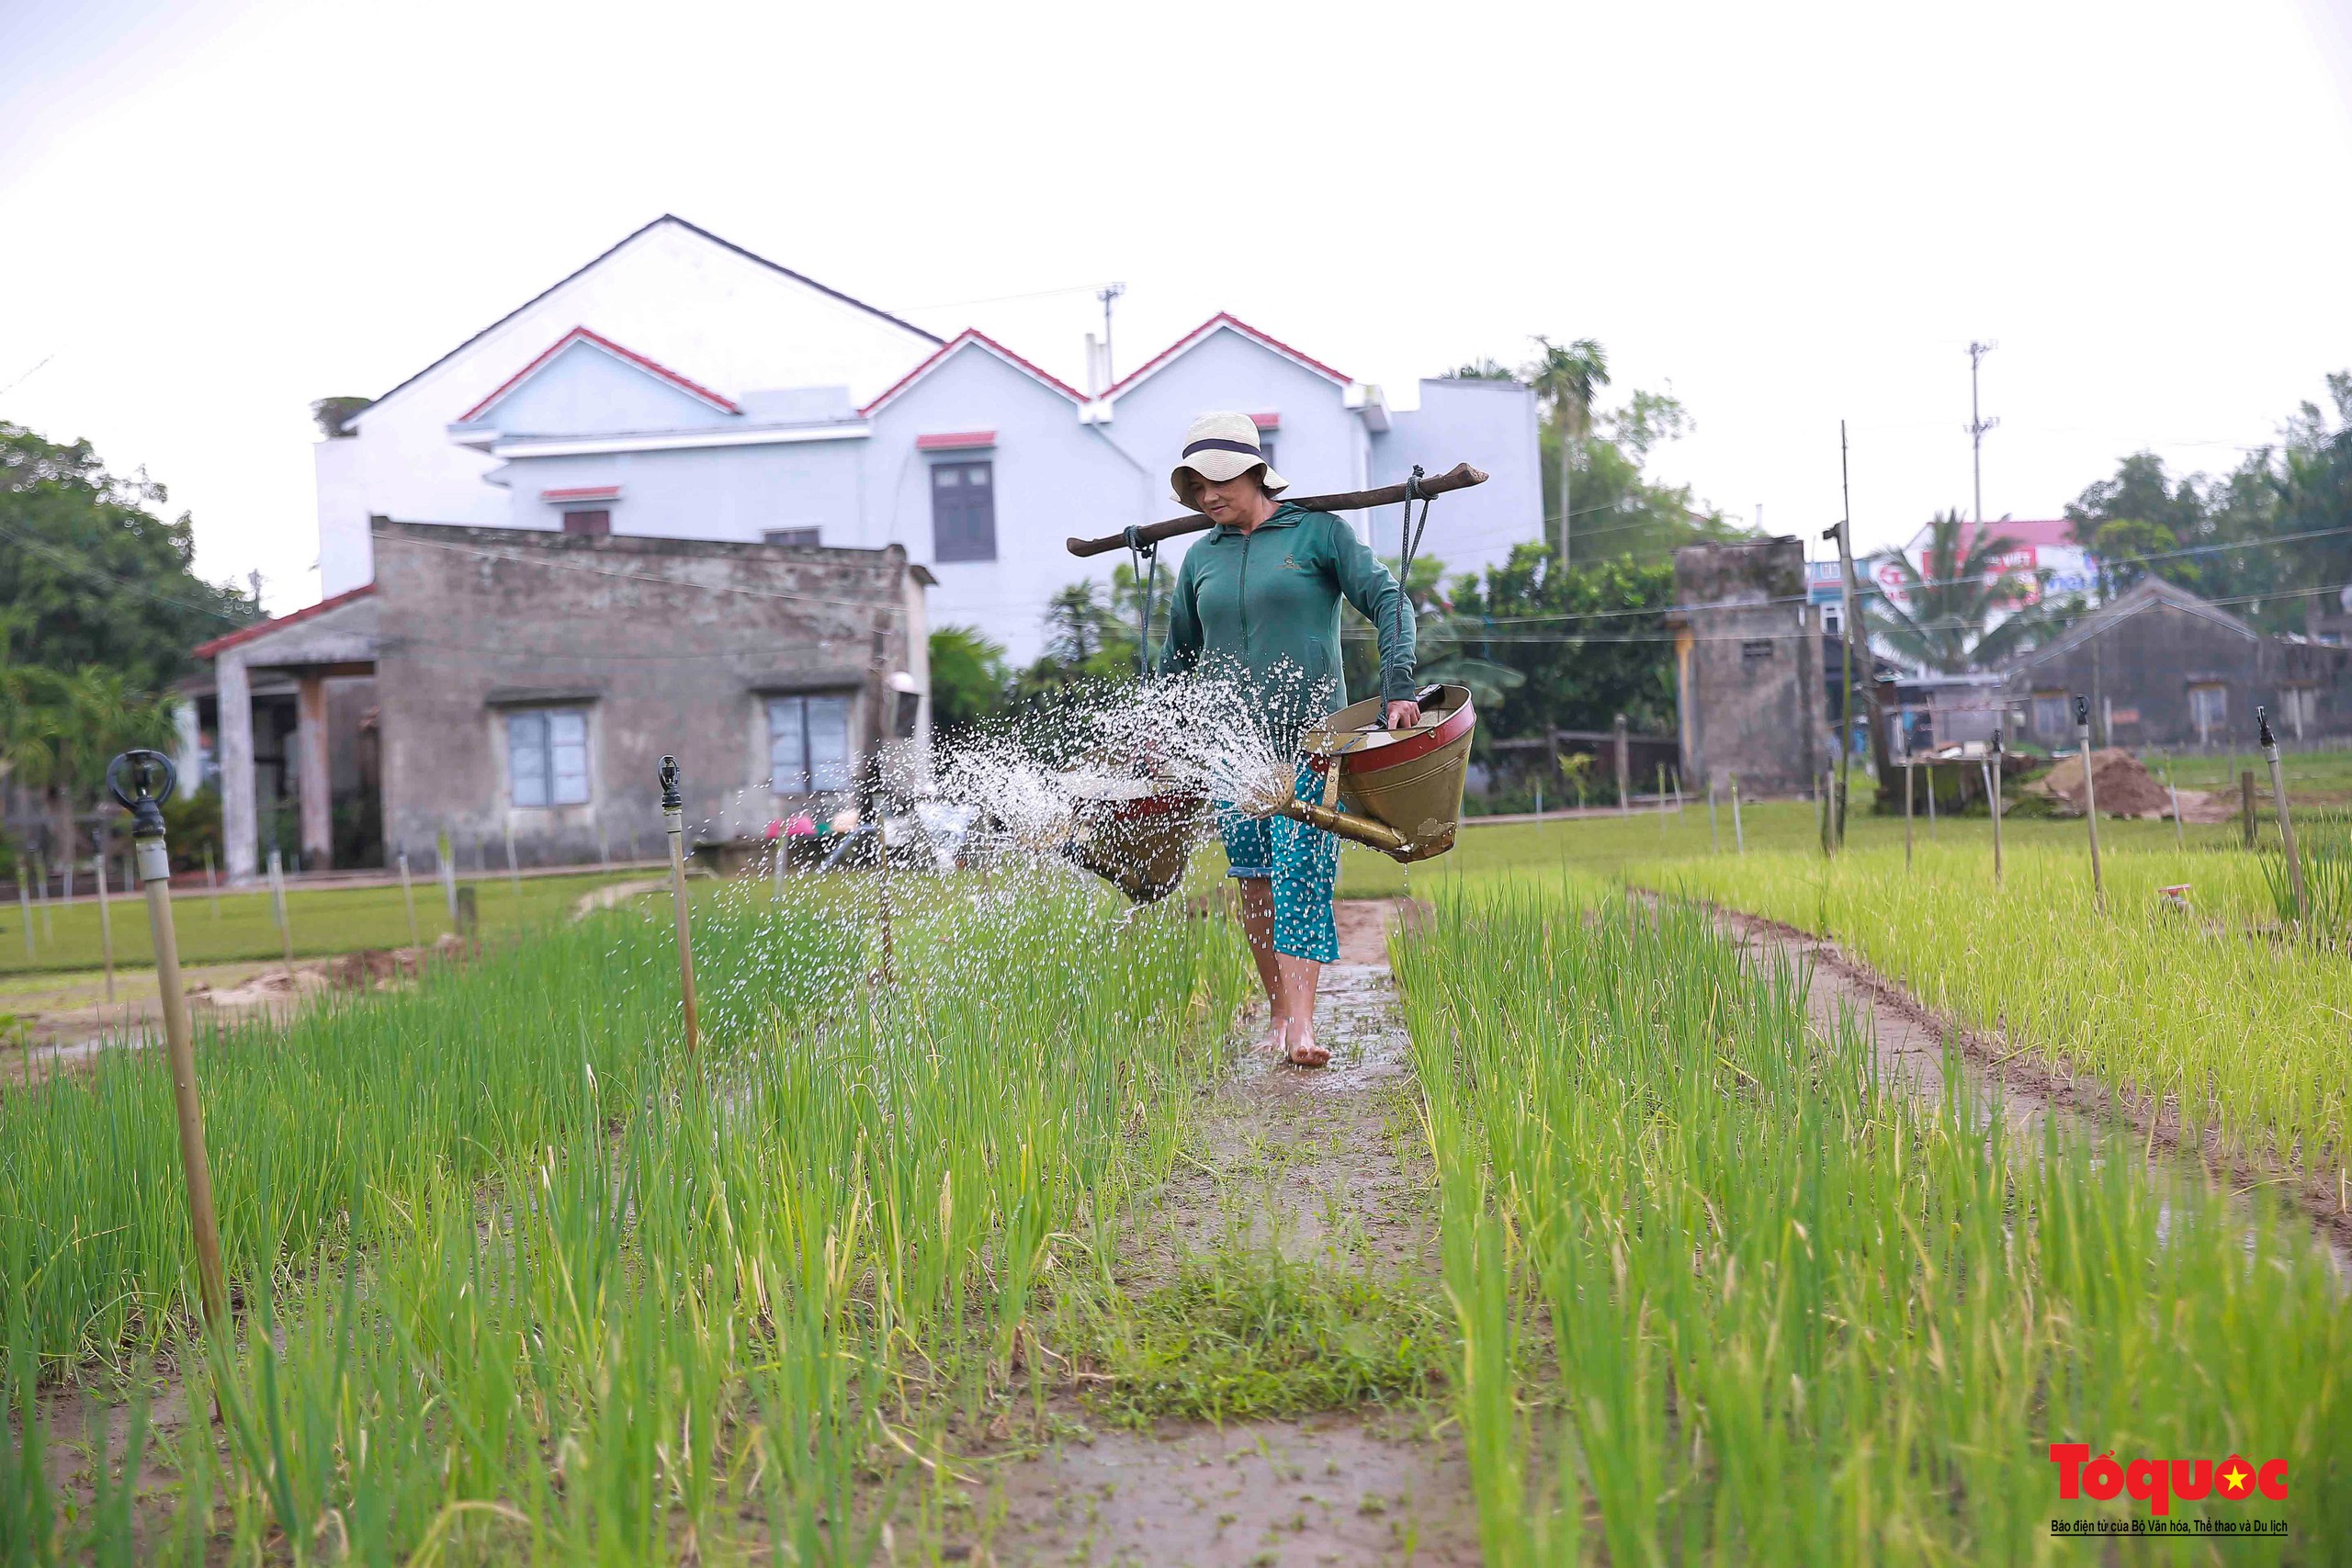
262 628
583 493
1199 333
1267 421
970 334
955 440
581 334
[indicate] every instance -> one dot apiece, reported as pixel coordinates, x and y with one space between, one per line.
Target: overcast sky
216 212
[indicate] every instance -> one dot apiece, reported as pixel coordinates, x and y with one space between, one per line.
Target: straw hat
1221 446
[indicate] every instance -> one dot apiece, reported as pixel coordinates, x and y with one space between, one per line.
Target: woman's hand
1403 714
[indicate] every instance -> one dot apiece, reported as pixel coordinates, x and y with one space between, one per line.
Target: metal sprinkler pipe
2285 823
140 782
674 807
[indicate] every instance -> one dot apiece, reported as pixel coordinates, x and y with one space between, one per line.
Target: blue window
546 756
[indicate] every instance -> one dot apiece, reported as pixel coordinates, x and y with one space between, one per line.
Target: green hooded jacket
1268 602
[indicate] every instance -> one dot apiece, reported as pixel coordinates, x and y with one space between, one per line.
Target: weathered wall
1748 667
670 645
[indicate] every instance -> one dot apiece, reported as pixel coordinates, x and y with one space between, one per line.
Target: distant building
490 682
2161 667
679 387
1749 667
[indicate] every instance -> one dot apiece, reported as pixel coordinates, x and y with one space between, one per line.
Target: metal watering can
1397 791
1135 834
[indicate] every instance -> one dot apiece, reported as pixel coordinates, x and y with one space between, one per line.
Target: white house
681 386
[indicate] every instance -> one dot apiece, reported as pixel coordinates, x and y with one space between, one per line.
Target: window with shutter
807 744
547 757
963 512
596 524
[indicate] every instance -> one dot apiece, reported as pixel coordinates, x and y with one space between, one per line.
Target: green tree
1953 592
1565 377
91 574
1589 643
969 679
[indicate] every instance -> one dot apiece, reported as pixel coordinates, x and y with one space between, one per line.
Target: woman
1260 597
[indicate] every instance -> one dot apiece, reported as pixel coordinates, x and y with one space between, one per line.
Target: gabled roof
2151 593
623 243
627 356
1222 321
970 337
263 628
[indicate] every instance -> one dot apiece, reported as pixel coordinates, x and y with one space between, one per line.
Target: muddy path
1324 1165
1909 1041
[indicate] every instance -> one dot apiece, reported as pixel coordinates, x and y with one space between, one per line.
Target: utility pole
1977 423
1107 293
1843 534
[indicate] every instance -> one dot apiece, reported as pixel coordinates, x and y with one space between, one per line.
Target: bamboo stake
2090 796
1908 792
1739 833
106 914
1661 801
40 891
446 850
408 897
213 883
25 908
155 872
2179 838
1997 806
1714 833
1931 802
673 823
2285 823
513 879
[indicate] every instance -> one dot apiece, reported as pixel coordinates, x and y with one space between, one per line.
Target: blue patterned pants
1302 862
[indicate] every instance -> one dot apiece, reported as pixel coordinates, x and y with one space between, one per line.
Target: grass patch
1244 1334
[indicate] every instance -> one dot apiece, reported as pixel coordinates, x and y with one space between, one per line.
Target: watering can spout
1348 825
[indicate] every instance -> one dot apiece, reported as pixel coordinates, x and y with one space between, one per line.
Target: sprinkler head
2262 724
140 782
671 799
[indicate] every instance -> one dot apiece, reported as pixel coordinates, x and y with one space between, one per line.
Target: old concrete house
527 682
1748 667
680 387
2161 667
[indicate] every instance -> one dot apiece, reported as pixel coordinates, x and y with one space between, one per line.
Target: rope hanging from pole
1144 556
1408 542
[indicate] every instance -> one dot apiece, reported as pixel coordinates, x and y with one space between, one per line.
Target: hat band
1216 444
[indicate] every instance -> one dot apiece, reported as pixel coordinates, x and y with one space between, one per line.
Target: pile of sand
2125 789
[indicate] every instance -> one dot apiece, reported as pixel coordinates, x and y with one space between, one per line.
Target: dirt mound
2125 789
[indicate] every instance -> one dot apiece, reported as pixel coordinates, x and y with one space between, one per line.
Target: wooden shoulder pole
143 781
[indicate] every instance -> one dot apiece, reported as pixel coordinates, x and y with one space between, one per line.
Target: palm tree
1952 592
1565 377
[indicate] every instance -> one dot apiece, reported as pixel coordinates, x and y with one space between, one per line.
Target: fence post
2285 823
673 823
1738 834
2245 805
150 778
1624 771
1661 801
105 910
1715 831
1931 801
408 897
1995 789
444 849
213 883
277 907
513 879
603 845
2179 838
40 891
24 905
2090 795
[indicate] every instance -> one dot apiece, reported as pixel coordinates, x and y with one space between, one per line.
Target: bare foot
1277 1041
1304 1053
